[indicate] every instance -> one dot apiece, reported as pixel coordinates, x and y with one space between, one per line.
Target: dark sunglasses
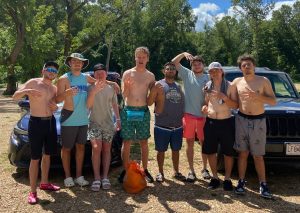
50 69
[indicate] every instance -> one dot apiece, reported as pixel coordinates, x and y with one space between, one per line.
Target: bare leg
96 157
260 168
45 165
106 156
66 158
125 153
160 161
79 158
190 153
33 174
175 160
242 164
145 152
212 159
204 156
228 160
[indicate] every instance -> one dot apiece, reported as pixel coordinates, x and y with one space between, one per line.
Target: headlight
19 135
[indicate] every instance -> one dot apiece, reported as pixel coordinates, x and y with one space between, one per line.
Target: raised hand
188 56
99 85
128 82
33 93
71 91
204 109
52 105
250 94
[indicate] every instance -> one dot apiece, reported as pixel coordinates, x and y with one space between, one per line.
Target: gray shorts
250 134
73 134
97 132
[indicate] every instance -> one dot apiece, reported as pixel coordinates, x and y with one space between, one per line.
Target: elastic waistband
41 118
168 127
218 120
137 108
251 117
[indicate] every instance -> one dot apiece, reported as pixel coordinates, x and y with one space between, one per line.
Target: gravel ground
171 196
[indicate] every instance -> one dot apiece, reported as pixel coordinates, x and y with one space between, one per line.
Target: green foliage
110 30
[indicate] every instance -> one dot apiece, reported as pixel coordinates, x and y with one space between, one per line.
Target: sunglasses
170 68
50 69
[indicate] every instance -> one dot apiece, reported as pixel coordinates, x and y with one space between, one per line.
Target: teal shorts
135 123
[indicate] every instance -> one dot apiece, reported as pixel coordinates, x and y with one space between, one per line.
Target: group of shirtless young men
202 110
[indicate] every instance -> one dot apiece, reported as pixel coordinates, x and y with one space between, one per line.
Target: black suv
283 119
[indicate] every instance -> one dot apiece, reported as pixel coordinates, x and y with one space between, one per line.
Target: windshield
280 83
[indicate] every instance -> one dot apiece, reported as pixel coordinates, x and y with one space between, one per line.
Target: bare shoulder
127 72
150 75
62 79
236 81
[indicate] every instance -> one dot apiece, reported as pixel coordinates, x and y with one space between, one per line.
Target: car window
280 83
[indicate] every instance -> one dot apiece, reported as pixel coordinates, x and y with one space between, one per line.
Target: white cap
215 65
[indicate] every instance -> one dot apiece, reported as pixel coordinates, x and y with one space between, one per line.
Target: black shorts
219 132
42 135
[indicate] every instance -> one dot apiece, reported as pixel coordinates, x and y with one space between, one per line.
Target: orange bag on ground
134 180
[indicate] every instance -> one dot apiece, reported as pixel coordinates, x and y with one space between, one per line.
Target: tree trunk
109 47
12 58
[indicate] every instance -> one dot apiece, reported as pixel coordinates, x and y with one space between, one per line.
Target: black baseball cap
99 67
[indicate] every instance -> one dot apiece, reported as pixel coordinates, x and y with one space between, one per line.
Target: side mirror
24 104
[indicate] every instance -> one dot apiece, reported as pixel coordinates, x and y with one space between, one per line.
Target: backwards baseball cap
79 57
215 65
99 67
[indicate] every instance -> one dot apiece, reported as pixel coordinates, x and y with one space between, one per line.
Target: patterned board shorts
134 129
98 132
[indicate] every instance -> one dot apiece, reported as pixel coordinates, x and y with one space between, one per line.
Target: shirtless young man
250 123
135 117
193 121
42 126
72 88
220 98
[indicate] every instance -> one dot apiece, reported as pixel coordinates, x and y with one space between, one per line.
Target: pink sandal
49 187
32 198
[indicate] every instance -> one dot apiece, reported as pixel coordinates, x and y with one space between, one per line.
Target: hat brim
85 61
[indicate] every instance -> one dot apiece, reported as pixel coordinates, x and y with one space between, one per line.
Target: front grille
283 126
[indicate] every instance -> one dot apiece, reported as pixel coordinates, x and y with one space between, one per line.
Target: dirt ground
171 196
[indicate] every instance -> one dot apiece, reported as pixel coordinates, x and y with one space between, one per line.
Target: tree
15 15
254 11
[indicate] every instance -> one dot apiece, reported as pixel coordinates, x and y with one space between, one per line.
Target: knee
258 158
65 150
80 147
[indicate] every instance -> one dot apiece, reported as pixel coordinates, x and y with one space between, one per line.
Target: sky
208 11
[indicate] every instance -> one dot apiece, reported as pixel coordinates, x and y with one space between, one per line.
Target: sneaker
121 177
191 177
81 181
160 177
179 176
227 185
148 177
214 183
69 182
240 188
32 198
264 191
49 187
205 174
